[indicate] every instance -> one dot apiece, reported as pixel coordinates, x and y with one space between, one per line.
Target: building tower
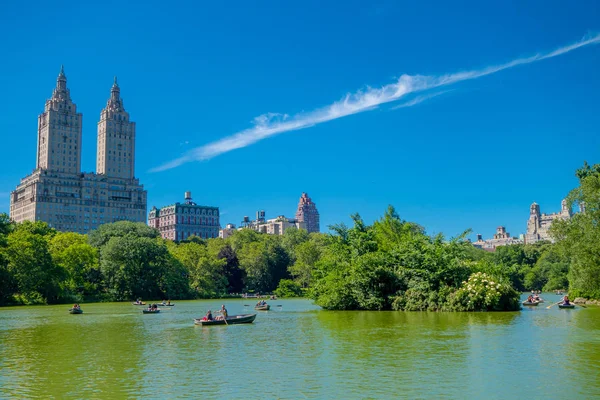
307 214
59 131
533 223
565 210
116 139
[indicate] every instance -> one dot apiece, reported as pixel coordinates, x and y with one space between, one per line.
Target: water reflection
69 355
297 351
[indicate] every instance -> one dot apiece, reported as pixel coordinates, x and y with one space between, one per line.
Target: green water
298 351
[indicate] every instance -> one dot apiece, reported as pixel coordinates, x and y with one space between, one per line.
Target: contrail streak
271 124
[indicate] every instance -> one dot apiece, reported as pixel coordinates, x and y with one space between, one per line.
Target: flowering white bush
484 292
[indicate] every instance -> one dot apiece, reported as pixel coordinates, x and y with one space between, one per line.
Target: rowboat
139 304
231 320
266 307
151 311
530 304
566 306
75 311
166 305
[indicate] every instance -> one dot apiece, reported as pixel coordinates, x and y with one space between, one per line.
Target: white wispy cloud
419 99
271 124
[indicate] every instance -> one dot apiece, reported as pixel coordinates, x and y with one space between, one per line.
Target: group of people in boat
76 307
222 311
153 307
261 303
534 298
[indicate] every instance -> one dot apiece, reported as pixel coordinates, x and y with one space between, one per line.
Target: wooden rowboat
151 311
231 320
266 307
75 311
566 306
530 304
139 304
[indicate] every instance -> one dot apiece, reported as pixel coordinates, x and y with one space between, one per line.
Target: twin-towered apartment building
60 194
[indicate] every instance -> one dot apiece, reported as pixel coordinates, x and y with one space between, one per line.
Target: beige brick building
57 192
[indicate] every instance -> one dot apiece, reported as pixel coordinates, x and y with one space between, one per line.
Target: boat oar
558 302
224 318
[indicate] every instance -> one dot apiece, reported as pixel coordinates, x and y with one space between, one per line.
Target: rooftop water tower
188 198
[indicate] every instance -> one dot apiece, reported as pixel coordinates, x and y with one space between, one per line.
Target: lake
298 351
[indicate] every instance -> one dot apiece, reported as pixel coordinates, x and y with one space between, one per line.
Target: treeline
391 264
126 260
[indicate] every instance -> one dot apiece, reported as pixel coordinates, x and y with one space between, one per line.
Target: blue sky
475 155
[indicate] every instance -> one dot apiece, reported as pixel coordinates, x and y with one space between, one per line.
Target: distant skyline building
538 224
58 192
307 217
274 226
180 221
307 214
227 231
500 238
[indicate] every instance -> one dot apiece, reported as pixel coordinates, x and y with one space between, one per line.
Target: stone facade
180 221
500 238
57 192
539 224
307 214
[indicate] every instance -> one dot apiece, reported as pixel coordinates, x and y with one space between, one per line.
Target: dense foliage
125 260
579 238
391 264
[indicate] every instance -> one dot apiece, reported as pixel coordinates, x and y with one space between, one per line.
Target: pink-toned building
180 221
307 214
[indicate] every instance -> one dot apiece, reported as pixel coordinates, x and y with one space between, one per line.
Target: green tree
264 261
288 288
235 275
307 254
101 236
134 266
205 270
30 264
71 252
579 237
7 283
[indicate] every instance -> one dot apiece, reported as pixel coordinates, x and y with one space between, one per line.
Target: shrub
484 292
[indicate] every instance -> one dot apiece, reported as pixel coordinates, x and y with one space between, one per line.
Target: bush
288 288
29 298
483 292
